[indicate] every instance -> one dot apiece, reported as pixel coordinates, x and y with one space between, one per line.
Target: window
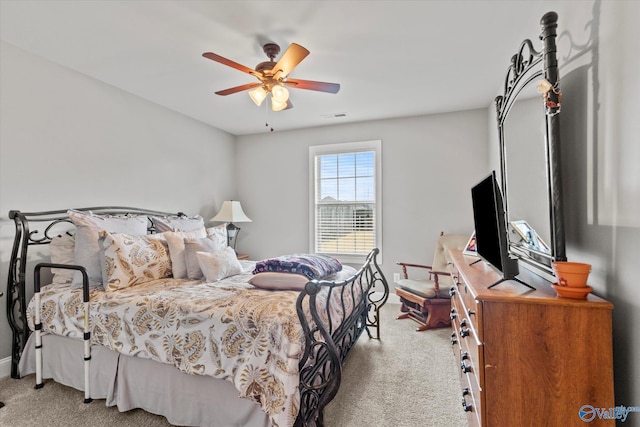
345 201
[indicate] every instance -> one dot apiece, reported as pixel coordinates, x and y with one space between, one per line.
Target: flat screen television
492 240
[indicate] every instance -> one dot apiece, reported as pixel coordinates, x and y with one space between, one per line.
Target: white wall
69 141
429 165
600 154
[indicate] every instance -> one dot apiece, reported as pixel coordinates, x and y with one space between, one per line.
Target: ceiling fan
274 76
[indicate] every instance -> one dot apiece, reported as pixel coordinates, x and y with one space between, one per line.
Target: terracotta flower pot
571 274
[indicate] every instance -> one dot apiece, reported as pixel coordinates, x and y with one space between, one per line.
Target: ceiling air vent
334 115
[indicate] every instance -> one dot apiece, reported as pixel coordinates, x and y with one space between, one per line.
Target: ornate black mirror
529 135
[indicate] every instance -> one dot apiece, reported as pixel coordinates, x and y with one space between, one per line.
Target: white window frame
340 148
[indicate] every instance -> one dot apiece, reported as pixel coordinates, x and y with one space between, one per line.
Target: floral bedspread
227 330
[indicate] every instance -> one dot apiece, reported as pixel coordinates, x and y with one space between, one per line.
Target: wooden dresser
528 358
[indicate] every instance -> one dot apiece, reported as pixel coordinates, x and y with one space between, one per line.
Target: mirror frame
529 66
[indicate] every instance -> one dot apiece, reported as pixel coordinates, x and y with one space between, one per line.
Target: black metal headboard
52 223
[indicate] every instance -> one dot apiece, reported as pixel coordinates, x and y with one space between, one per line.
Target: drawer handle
454 341
464 355
452 291
464 323
453 314
471 312
466 406
464 367
464 332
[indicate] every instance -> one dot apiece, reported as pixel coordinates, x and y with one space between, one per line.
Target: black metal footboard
51 224
330 335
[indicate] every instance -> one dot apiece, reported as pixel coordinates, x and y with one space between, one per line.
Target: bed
219 350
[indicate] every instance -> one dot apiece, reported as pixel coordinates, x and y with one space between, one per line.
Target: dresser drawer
464 340
470 304
471 400
456 345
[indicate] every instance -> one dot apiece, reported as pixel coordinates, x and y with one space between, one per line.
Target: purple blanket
311 265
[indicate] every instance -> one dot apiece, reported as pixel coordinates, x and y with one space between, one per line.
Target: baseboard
5 367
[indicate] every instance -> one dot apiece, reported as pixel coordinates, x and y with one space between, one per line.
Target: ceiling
391 58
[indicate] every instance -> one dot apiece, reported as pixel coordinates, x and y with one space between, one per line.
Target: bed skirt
130 382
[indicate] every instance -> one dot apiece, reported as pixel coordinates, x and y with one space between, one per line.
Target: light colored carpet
406 379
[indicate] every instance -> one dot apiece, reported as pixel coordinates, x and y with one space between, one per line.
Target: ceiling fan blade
237 89
289 60
230 63
311 85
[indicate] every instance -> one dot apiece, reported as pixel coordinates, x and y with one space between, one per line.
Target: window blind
345 202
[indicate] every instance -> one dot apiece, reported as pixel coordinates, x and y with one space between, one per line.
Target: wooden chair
426 300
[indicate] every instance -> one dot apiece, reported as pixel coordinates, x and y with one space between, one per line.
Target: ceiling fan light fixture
273 76
278 106
258 95
280 94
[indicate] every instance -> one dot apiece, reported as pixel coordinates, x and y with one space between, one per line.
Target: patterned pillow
177 223
131 260
314 266
219 235
218 265
87 249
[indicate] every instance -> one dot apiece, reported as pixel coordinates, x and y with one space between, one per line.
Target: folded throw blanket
313 266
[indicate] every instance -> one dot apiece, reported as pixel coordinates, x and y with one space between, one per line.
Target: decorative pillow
294 282
218 265
132 260
175 240
177 223
61 249
219 235
314 266
279 281
191 247
87 250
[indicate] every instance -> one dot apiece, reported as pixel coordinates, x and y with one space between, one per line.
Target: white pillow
61 249
292 281
218 265
132 260
279 281
193 246
216 239
87 249
219 235
177 223
175 240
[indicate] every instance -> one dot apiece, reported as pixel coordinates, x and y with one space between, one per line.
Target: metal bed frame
327 342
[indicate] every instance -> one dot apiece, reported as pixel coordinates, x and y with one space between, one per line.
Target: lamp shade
258 95
278 106
280 94
231 211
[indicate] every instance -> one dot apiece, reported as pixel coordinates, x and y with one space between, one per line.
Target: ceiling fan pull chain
266 115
